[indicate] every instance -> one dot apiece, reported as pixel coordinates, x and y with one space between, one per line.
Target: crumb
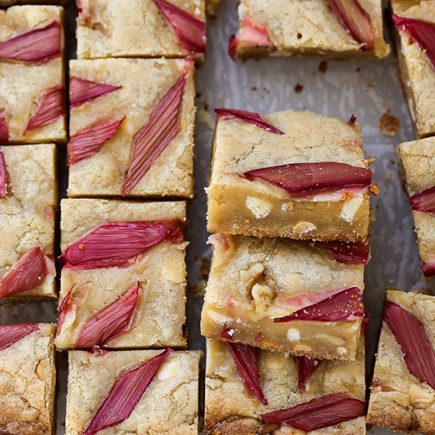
392 162
358 69
299 88
389 124
253 88
374 189
198 289
205 104
323 66
352 119
389 177
205 118
299 35
198 95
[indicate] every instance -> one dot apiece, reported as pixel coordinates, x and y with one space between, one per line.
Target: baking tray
367 89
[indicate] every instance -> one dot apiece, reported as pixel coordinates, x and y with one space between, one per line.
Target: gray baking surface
367 89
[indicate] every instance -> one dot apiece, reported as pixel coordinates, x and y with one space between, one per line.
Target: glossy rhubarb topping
248 117
348 253
152 139
81 90
111 322
421 32
189 29
416 346
305 179
342 306
49 108
28 273
356 21
306 367
35 46
114 244
318 413
4 130
245 358
10 334
424 201
3 176
429 268
125 394
89 141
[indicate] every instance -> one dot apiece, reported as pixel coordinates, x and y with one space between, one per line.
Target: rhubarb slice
306 367
49 108
304 179
429 268
356 20
415 344
3 176
317 413
349 253
35 46
110 322
4 130
81 91
10 334
115 243
248 117
84 10
90 140
125 394
189 29
424 201
64 309
28 273
342 306
152 139
245 358
421 32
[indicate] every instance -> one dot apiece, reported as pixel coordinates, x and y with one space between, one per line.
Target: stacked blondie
283 313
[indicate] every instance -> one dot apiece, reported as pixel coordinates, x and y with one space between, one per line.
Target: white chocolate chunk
260 208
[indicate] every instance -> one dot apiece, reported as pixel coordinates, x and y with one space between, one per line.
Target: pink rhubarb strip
424 201
306 368
348 253
3 176
81 90
10 334
4 130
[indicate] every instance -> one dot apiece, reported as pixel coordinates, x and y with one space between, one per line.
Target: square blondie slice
289 174
123 281
325 27
288 296
418 162
159 391
403 387
32 103
413 20
284 395
28 202
157 28
27 379
131 126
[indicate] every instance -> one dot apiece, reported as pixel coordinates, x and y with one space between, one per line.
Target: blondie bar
32 108
249 392
289 174
139 391
131 127
27 379
418 162
28 197
336 28
140 28
415 31
124 278
403 387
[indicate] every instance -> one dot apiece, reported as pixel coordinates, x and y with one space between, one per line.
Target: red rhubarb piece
349 253
414 342
3 176
152 139
356 20
36 46
429 268
376 383
4 130
110 322
115 243
421 32
64 308
246 360
344 305
189 29
303 179
317 413
306 367
232 47
84 11
249 117
125 394
28 273
81 90
49 108
424 201
89 141
10 334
